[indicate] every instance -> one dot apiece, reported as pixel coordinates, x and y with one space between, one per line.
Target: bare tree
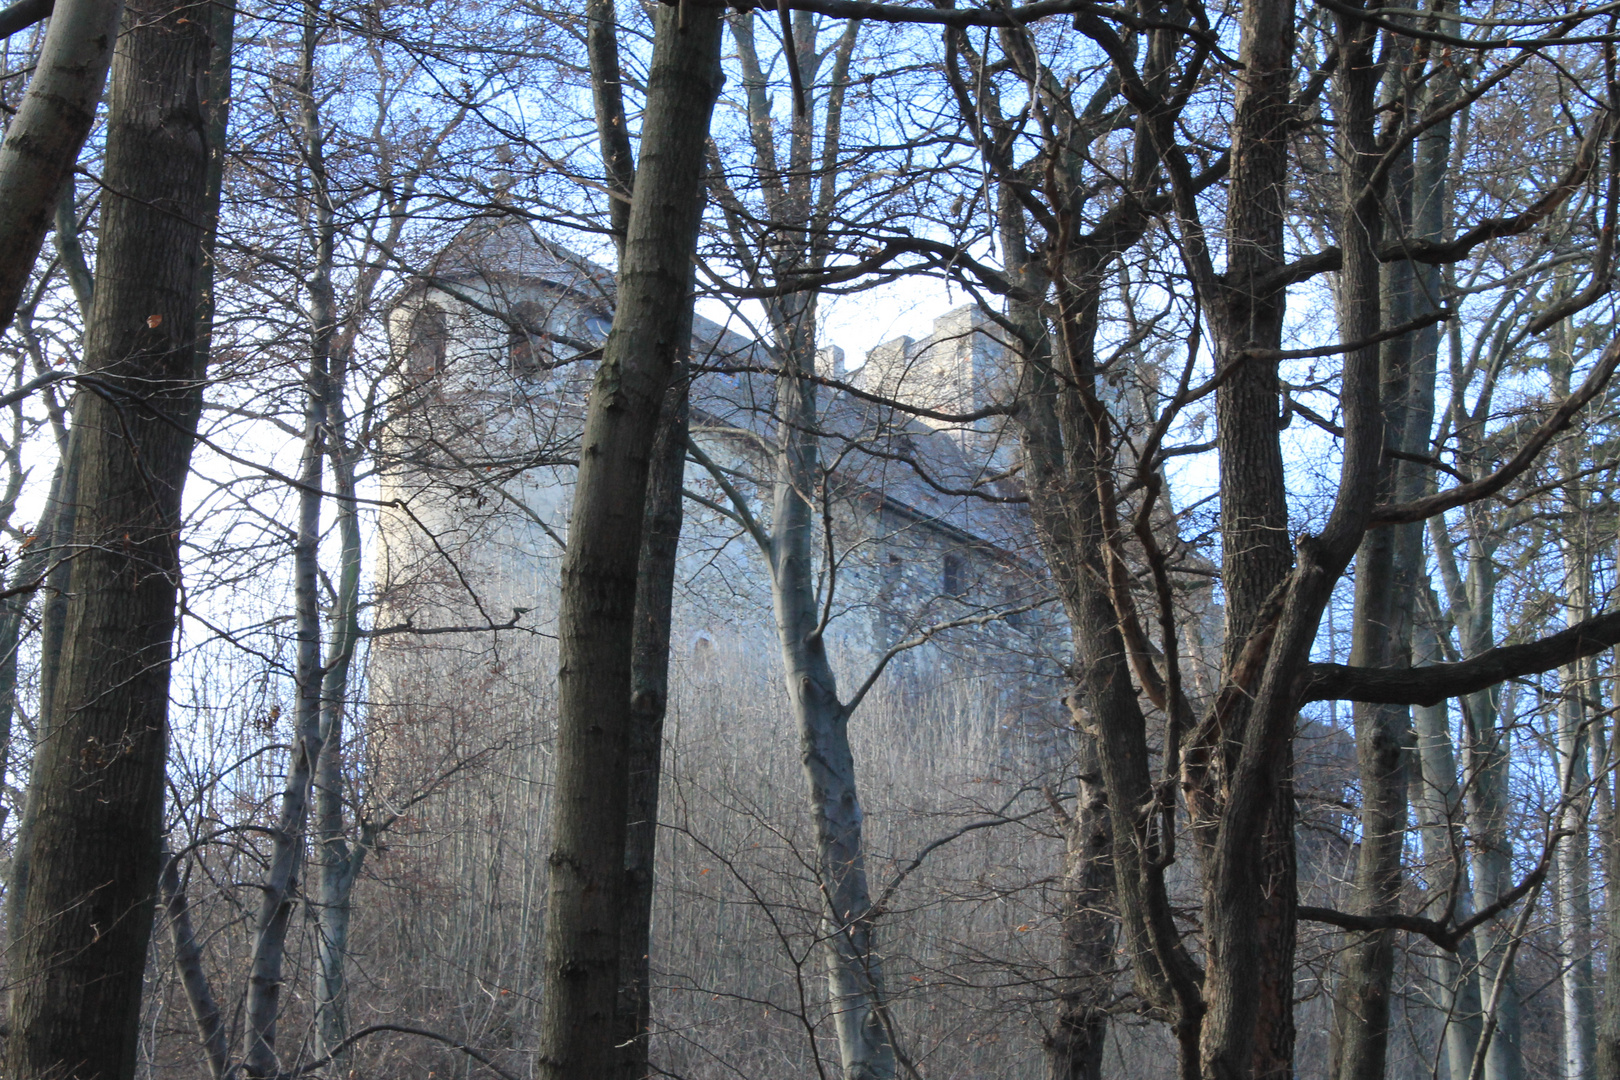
97 785
596 625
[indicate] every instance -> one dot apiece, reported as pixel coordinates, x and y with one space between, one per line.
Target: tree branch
1435 683
1427 507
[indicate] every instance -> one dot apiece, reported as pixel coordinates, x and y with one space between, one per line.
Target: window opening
528 346
428 339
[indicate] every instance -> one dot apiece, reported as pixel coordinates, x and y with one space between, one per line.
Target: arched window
426 343
529 352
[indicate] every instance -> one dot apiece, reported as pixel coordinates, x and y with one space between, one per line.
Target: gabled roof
505 248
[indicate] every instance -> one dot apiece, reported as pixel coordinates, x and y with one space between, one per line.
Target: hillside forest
854 540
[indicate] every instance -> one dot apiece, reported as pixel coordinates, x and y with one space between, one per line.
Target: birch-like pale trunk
1438 800
1606 1052
42 141
1572 874
799 210
854 968
1487 764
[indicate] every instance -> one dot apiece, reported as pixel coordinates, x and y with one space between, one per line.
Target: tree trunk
1388 567
1488 810
596 624
1074 1050
42 141
98 780
278 892
337 863
188 960
800 215
1606 1052
1250 897
854 972
1062 469
655 587
1572 877
1438 798
35 565
655 595
53 621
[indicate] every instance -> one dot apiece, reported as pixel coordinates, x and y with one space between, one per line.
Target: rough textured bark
43 140
655 588
1062 470
1072 481
97 783
584 910
1249 894
1074 1048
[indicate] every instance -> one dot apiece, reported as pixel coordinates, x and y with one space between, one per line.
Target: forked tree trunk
98 780
801 215
1062 467
1388 567
655 587
596 623
854 970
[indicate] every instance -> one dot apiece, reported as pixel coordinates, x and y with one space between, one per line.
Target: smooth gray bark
1389 565
799 212
1572 878
1606 1053
1438 799
188 960
42 141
